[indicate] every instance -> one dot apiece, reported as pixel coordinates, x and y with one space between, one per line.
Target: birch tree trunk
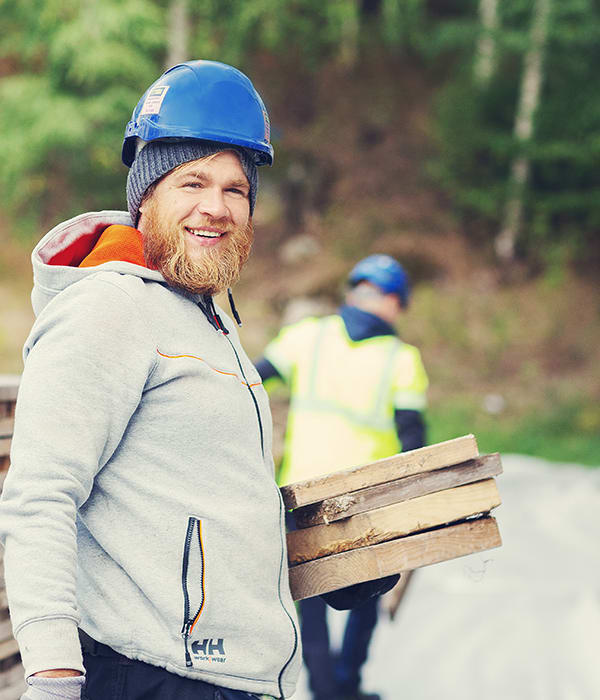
485 53
350 31
177 33
524 123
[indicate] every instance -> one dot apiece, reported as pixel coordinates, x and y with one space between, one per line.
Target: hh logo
209 650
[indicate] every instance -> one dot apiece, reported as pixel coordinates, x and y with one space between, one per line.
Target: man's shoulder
114 283
303 328
129 284
103 292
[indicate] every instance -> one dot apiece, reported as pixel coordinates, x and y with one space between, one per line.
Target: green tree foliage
476 122
73 70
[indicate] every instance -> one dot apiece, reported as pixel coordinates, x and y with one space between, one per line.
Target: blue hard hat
384 272
203 100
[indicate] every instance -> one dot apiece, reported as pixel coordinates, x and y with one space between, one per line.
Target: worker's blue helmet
384 272
203 100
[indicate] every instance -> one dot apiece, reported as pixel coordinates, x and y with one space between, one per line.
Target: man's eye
192 183
235 190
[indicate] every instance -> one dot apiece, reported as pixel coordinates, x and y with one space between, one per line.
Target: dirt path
517 623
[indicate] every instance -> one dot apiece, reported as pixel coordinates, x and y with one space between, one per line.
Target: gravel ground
521 622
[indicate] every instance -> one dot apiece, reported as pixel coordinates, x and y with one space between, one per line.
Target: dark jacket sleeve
266 369
410 427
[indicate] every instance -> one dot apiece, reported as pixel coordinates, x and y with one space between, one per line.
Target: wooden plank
7 408
393 521
9 386
7 425
5 630
8 648
425 459
407 553
4 446
348 504
11 676
16 688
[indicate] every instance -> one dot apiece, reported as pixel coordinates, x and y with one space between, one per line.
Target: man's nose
213 203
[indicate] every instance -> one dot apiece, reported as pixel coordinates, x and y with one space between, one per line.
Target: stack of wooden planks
11 670
397 514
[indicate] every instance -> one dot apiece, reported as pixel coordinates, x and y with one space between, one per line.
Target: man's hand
58 673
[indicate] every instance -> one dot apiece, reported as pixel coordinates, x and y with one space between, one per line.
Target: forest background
461 136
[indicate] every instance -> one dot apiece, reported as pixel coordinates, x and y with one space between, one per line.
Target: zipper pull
185 633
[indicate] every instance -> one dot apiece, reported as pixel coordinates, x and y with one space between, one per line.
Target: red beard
214 271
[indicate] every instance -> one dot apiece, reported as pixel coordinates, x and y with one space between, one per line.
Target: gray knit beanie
157 158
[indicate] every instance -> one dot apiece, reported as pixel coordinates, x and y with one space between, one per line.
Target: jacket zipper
281 562
216 322
254 401
208 309
194 525
281 565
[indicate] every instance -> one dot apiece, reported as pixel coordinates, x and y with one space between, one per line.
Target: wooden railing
11 670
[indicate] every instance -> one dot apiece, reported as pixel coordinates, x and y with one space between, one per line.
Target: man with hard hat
357 394
141 520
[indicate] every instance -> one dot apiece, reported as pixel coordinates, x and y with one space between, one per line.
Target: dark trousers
112 676
329 676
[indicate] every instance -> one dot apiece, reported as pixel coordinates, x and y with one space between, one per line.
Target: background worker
357 394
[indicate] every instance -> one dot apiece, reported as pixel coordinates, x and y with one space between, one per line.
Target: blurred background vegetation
461 136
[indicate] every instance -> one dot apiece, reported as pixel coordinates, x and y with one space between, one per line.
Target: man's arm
410 427
267 370
88 358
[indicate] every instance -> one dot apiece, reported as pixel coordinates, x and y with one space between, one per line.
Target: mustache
210 222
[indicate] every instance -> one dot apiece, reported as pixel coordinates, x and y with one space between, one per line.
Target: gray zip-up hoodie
140 503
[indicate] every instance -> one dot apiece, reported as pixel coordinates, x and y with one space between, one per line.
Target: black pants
329 676
112 676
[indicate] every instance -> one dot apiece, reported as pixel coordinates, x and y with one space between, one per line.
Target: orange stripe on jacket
117 242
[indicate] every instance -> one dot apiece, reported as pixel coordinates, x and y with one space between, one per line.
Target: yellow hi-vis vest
343 395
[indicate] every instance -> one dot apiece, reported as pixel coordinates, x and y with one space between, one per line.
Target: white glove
44 688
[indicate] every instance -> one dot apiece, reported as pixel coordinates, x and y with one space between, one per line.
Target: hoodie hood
56 258
361 324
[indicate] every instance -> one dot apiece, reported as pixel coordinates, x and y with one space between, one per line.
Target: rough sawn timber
338 507
379 560
6 426
425 459
9 386
391 522
5 446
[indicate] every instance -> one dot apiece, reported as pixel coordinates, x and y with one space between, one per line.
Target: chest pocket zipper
192 581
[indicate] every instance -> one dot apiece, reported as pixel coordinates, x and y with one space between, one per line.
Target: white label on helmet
154 100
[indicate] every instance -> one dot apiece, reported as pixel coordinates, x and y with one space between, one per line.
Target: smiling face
196 224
